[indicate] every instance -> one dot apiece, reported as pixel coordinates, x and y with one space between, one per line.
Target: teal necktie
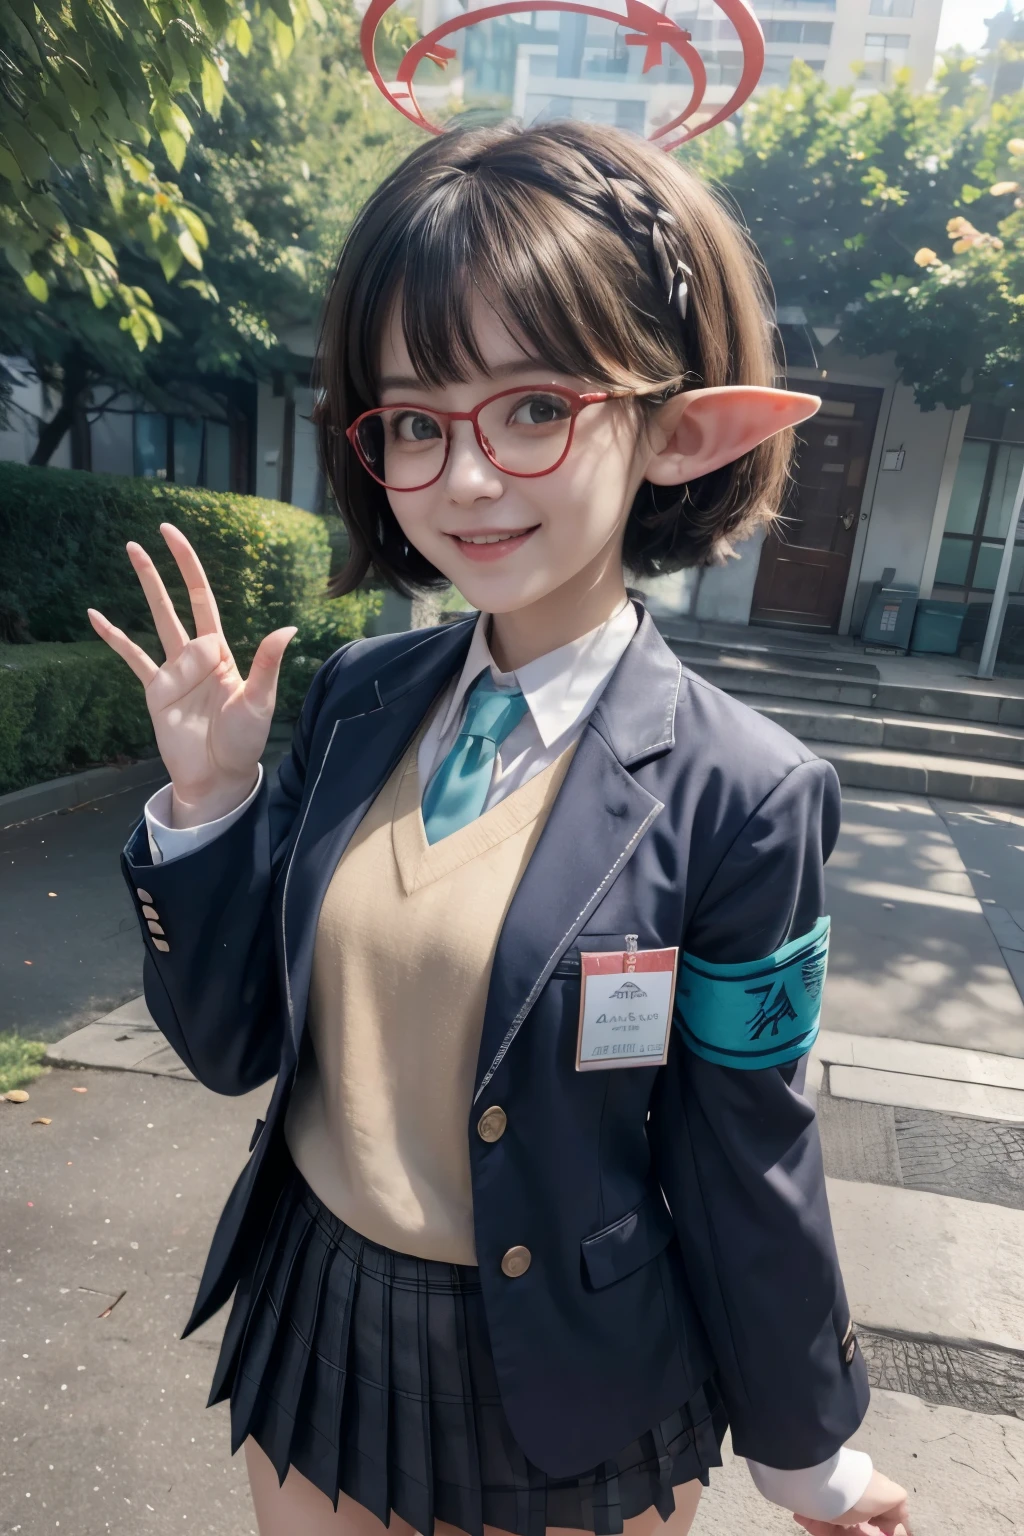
458 791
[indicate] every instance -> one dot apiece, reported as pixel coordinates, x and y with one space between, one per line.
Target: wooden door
805 560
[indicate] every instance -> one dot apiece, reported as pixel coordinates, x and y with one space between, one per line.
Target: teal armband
760 1013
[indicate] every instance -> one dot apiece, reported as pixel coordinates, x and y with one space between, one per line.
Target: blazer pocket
628 1243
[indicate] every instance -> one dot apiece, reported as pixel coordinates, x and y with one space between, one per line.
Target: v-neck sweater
379 1119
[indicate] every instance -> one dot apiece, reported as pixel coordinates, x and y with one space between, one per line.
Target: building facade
554 64
878 485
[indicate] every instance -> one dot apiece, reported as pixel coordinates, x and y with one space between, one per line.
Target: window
776 68
184 449
884 53
809 32
978 518
891 7
770 7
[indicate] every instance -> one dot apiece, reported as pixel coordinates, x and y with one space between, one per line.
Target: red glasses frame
576 401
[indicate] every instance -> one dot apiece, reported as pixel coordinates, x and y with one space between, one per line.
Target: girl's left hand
881 1510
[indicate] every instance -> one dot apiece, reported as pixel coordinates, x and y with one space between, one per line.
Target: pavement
919 1081
111 1205
925 945
70 949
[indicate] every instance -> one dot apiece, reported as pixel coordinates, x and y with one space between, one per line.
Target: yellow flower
926 257
1015 148
1002 187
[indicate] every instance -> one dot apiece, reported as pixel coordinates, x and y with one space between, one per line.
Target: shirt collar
560 688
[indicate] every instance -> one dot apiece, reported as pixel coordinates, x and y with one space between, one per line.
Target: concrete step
774 674
865 727
924 773
827 660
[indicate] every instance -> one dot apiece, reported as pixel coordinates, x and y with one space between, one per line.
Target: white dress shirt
561 690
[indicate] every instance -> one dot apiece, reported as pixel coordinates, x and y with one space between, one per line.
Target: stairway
956 743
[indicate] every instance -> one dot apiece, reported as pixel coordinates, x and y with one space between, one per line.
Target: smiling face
508 541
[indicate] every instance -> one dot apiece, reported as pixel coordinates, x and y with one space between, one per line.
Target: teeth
488 538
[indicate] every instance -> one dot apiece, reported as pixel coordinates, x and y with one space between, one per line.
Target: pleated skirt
370 1372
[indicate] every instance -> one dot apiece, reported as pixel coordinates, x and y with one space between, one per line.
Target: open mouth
491 546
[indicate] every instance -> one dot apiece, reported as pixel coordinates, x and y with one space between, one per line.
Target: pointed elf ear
699 431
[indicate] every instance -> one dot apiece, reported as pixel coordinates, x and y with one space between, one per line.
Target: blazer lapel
595 825
361 752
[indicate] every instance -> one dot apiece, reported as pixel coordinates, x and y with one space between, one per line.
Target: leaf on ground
79 1090
16 1096
43 1120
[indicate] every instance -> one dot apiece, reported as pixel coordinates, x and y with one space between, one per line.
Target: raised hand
211 725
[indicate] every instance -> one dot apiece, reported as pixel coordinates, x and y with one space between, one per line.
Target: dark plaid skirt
371 1373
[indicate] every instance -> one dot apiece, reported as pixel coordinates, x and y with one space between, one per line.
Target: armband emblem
759 1013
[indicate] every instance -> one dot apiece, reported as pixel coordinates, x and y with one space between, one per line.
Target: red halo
650 30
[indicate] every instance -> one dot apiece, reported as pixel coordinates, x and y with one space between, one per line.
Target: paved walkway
110 1205
916 955
102 1417
919 1078
70 949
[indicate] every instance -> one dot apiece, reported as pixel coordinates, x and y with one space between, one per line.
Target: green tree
87 88
276 178
957 323
841 190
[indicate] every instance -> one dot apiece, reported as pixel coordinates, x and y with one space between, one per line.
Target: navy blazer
676 1215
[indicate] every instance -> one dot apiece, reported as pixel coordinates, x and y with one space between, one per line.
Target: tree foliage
957 324
276 177
841 191
88 89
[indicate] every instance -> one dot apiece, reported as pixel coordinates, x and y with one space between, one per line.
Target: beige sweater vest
378 1122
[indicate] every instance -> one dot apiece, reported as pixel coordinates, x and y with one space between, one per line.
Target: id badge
626 1002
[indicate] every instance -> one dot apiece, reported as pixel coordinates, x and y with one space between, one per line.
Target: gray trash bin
890 613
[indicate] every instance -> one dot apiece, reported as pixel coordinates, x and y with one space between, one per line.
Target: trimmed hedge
62 706
67 700
62 538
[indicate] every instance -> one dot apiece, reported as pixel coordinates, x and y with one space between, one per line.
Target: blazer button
492 1123
142 895
516 1262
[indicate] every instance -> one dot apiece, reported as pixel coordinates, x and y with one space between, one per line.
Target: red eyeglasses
526 431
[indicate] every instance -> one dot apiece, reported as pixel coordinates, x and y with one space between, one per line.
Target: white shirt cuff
821 1492
166 843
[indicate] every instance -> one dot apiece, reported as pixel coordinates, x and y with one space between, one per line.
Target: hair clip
673 275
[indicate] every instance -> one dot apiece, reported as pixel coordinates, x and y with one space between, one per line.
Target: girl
519 1238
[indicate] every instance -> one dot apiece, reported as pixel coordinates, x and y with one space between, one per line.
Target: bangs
533 260
553 228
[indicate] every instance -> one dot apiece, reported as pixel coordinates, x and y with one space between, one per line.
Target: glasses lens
526 433
404 448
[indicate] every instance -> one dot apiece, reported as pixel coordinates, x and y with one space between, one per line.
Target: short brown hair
552 225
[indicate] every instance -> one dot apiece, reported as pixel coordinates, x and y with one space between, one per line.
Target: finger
200 593
143 666
173 634
261 684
